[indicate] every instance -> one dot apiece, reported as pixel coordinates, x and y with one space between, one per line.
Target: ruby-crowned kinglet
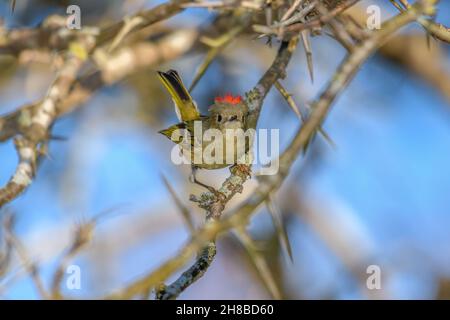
227 116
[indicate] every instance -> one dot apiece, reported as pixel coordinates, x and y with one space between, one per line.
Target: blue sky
388 178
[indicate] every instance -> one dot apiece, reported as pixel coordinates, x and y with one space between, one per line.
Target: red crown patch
229 98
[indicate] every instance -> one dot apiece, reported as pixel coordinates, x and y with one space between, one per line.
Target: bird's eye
219 118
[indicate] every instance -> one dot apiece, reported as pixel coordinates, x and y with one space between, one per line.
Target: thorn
128 25
327 138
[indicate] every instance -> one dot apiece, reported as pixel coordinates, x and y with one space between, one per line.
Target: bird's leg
193 179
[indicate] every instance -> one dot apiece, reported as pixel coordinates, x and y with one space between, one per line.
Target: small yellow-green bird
226 114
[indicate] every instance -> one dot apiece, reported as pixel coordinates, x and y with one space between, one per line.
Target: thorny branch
233 184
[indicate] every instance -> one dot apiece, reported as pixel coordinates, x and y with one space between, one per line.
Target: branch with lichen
32 122
31 125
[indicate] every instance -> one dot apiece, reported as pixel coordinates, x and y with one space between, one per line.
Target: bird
227 115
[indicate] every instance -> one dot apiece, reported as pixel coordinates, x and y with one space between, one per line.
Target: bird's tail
185 106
